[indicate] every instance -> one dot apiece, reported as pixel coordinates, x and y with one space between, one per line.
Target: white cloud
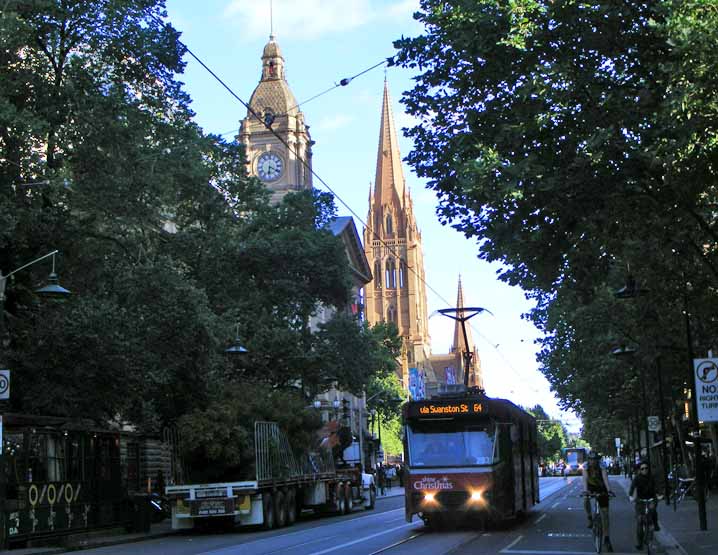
333 123
306 19
311 19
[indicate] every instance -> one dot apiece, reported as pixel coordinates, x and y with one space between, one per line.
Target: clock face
269 167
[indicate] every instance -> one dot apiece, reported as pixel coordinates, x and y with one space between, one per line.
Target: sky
324 41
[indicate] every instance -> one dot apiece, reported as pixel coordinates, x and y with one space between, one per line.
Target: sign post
706 380
654 424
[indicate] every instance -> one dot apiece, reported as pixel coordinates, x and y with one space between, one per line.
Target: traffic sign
706 375
654 424
4 384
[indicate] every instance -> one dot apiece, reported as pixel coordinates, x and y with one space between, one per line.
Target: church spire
458 344
389 182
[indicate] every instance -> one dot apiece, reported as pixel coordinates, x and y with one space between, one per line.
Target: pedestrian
381 476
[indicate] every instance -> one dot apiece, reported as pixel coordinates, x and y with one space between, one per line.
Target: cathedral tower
281 168
392 242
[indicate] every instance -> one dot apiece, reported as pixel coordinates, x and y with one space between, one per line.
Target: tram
64 476
469 457
575 459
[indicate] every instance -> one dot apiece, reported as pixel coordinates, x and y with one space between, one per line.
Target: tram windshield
432 444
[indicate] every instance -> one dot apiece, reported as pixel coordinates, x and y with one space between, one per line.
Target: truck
282 487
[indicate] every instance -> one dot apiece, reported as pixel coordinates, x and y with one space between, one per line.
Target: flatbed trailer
281 490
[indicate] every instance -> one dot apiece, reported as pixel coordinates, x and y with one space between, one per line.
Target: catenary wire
341 83
327 186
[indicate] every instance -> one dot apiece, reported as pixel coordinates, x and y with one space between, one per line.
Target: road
556 526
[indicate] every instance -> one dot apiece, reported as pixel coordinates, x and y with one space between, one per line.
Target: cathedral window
402 274
389 226
390 280
377 274
391 314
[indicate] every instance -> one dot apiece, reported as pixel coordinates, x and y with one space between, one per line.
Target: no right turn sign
706 373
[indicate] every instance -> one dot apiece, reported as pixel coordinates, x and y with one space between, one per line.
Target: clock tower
276 139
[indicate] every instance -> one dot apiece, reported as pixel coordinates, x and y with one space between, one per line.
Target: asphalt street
557 526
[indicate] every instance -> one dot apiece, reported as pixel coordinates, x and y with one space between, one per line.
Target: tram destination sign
429 409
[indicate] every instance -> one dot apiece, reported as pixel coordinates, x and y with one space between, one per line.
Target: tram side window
108 458
47 458
74 458
56 458
14 459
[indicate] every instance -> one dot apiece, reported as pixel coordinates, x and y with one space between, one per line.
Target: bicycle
645 523
687 487
596 520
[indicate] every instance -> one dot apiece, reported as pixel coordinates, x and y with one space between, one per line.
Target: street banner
416 384
706 373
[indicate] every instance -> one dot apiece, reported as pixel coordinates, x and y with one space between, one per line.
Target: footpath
104 538
680 532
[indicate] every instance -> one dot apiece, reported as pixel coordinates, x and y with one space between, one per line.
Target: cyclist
643 486
595 480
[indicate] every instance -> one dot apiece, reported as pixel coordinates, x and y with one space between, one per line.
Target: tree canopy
576 143
169 249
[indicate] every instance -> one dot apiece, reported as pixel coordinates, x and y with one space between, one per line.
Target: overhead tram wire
341 83
319 178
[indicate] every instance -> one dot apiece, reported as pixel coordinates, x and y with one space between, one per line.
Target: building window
377 274
402 274
389 226
391 314
390 280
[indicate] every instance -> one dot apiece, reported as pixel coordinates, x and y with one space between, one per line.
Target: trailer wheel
292 508
372 498
341 500
267 511
280 509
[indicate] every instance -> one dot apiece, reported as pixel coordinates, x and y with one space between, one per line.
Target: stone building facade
392 242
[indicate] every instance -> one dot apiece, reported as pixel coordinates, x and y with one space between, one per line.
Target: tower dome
273 93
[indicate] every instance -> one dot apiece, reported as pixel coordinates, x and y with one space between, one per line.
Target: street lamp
236 348
52 290
462 315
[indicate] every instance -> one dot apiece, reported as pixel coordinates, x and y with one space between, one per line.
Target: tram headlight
429 497
476 496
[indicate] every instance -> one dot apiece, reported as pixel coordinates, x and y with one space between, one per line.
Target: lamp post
462 315
52 290
633 289
624 352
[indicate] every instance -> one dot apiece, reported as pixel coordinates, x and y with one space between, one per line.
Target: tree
168 247
574 142
552 436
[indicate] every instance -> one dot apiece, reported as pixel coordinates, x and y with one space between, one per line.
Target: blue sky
322 42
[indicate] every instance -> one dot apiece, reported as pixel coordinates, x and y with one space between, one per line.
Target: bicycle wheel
597 532
648 535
